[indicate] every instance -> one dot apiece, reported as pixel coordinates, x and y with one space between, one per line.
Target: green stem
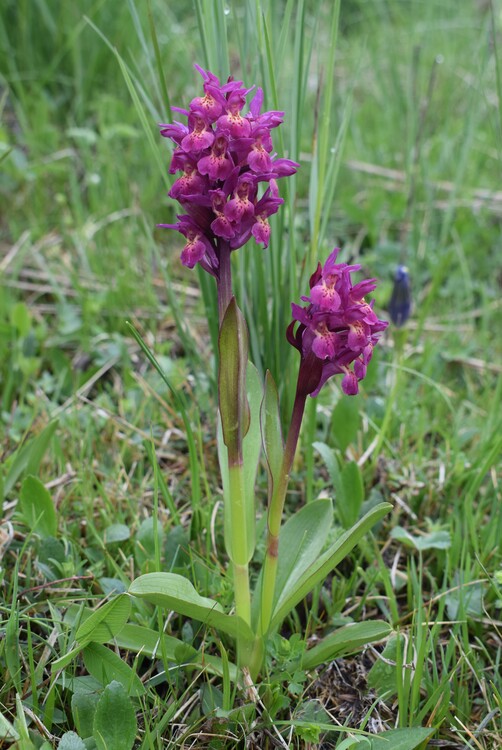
239 542
275 514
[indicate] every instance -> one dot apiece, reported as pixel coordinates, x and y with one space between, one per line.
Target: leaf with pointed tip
251 447
35 503
27 457
175 592
233 350
301 539
143 640
106 621
345 640
319 569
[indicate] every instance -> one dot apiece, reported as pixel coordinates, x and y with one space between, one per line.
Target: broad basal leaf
300 542
175 592
318 571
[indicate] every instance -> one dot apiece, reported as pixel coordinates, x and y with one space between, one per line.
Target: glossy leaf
345 640
172 591
318 571
106 621
37 507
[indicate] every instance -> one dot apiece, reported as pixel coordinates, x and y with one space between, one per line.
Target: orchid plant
228 190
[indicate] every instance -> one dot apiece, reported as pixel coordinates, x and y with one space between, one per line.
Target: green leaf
301 539
300 542
115 723
151 643
345 422
28 457
353 492
117 532
71 741
83 708
7 730
211 698
172 591
35 503
233 350
345 640
251 447
20 318
466 600
401 739
382 676
106 621
434 540
347 483
138 638
318 571
106 666
271 430
144 543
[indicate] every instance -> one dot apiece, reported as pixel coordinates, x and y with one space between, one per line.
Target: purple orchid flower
224 154
338 329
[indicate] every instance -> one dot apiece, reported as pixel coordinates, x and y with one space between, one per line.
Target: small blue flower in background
400 301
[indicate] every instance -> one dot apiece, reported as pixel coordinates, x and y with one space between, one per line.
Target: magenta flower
338 329
224 154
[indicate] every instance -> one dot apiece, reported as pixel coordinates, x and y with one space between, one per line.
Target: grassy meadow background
392 109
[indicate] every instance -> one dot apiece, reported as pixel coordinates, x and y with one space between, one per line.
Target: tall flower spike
224 154
337 330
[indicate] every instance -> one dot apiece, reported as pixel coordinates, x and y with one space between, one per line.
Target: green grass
400 149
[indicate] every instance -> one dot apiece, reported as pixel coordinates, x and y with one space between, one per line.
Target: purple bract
337 330
224 155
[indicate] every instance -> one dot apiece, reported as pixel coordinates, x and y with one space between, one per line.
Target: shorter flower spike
337 330
400 301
